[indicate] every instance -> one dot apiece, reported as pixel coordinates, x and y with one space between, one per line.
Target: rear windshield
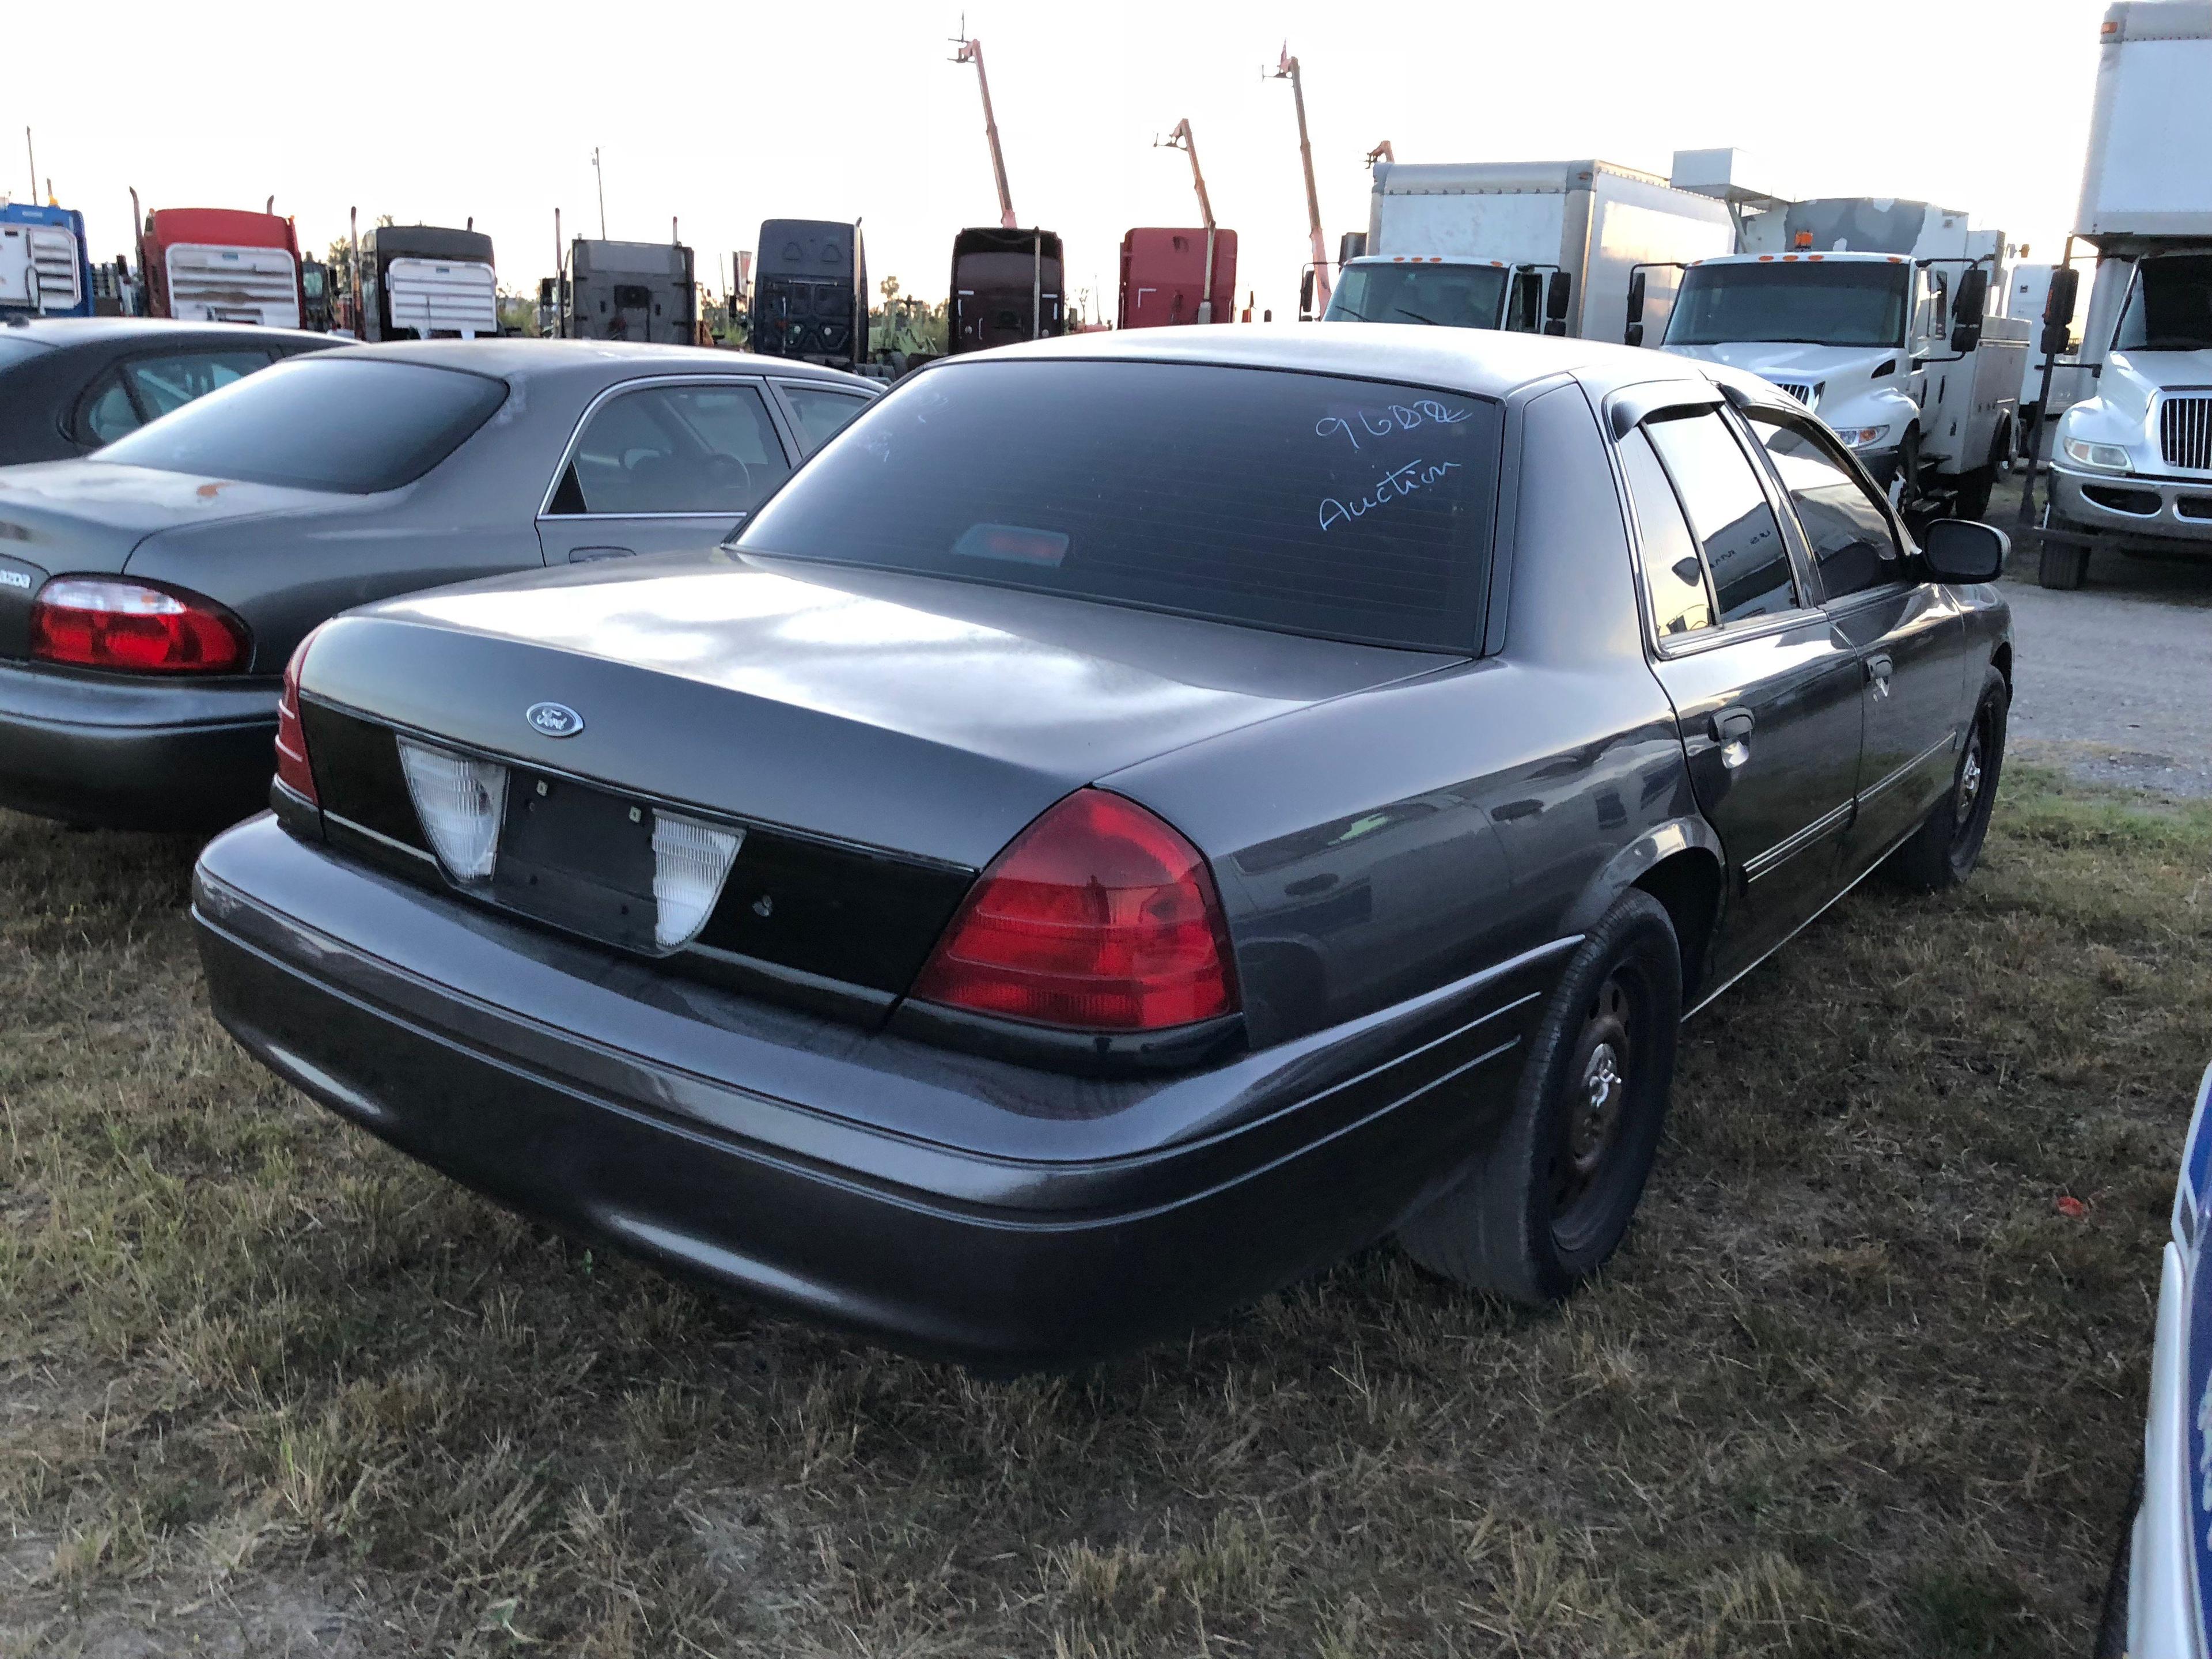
351 425
1352 510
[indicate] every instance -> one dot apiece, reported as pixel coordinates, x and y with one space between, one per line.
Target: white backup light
691 862
460 802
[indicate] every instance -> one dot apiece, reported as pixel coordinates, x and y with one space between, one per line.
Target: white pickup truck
1875 314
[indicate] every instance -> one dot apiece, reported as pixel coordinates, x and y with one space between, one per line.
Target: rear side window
821 415
168 382
673 449
1729 514
1849 533
108 411
1351 509
351 425
1674 575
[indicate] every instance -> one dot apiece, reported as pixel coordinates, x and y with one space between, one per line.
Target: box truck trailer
2132 465
45 270
1543 246
1885 317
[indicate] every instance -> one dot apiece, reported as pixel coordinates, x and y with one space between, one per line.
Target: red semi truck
1163 276
220 265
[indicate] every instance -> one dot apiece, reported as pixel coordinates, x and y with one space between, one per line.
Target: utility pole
971 52
1180 139
1287 69
598 174
33 155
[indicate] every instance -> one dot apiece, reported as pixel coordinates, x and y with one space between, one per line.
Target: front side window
323 421
1729 514
705 449
2169 306
1845 527
168 382
1447 296
1315 504
1852 303
1674 575
821 415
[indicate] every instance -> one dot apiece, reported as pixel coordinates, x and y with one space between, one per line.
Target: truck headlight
1860 437
2105 455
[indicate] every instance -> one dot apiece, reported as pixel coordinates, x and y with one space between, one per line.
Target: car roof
88 331
511 356
1479 361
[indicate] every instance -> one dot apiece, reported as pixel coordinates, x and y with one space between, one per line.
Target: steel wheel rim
1973 774
1594 1110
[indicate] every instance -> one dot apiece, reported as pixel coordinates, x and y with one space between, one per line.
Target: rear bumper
133 754
2175 513
1011 1218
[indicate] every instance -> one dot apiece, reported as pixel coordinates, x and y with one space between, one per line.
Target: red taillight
1099 917
292 767
93 621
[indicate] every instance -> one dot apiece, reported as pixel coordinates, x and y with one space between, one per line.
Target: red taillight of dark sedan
1098 917
91 622
292 767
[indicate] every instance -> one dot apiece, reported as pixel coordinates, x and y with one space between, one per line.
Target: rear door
1908 636
662 466
1765 690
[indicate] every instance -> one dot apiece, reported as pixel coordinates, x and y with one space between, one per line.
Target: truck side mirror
1353 245
1559 291
1966 309
1634 334
2058 311
1306 294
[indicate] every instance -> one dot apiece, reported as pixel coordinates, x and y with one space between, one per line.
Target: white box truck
1883 316
2132 466
1535 247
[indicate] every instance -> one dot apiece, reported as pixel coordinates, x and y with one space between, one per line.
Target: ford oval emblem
554 720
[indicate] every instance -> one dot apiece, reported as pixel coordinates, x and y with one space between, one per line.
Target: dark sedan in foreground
1131 821
150 593
69 385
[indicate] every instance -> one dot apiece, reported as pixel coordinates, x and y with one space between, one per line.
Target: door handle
1879 668
587 555
1733 724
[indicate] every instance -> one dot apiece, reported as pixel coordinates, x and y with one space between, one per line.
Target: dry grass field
1858 1385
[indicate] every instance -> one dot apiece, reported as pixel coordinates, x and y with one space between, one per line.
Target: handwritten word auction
1394 485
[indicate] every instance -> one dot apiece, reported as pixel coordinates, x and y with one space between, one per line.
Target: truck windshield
2169 306
336 424
1847 303
1348 509
1448 296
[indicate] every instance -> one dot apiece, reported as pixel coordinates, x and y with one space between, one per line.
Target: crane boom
1287 69
1180 139
971 52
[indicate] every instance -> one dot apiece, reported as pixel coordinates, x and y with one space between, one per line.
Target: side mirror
1966 309
1306 294
2058 311
1963 550
1559 294
1353 245
1634 334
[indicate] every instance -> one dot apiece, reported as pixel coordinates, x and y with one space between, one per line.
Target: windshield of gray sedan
1351 509
1854 303
349 425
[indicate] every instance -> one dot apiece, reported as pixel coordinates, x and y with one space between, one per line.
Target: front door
1908 636
1766 692
663 466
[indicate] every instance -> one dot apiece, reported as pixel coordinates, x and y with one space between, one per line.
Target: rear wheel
1944 851
1972 499
2063 565
1544 1207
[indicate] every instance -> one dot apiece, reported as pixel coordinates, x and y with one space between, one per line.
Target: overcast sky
722 116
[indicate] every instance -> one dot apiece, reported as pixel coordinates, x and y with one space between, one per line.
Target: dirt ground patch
1855 1386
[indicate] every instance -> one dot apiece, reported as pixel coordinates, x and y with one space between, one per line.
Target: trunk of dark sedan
876 739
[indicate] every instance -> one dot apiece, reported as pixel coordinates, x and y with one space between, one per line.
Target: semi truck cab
1451 293
45 270
220 265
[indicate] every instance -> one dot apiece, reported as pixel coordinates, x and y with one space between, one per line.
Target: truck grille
1802 391
443 298
53 255
233 285
2184 433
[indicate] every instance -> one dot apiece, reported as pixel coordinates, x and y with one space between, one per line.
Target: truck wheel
1972 500
1542 1207
1908 470
1942 852
2063 565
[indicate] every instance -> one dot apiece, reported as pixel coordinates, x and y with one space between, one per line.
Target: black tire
2063 565
1544 1207
1908 470
1972 499
1944 851
2113 1618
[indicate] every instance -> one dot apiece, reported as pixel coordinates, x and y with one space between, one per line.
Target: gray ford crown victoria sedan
150 593
1132 820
